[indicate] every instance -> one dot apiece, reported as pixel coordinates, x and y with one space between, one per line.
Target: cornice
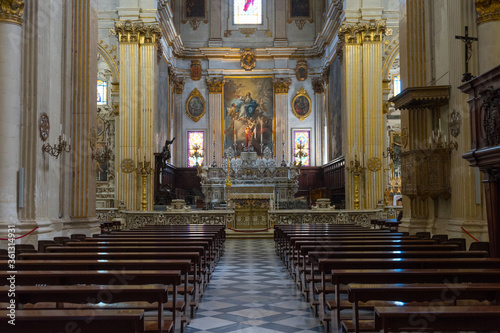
12 11
136 32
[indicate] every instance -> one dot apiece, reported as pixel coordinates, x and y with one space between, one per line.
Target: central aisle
251 291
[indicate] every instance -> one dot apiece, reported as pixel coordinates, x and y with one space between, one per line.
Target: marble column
281 87
84 69
488 20
319 103
215 88
10 107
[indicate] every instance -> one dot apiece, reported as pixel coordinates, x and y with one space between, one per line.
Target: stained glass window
196 148
397 84
301 150
247 11
102 92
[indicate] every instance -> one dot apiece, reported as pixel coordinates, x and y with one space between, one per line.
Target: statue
165 153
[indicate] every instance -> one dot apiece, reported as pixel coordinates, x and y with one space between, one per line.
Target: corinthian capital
215 85
12 11
136 32
487 10
371 31
281 86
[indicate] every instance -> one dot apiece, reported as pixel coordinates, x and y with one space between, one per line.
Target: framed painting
301 104
301 70
195 105
195 12
300 11
248 114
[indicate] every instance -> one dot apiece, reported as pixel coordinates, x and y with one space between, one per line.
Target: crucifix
468 53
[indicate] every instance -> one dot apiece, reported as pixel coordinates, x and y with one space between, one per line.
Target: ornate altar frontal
250 185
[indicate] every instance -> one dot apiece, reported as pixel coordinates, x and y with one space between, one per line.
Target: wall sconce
62 144
101 155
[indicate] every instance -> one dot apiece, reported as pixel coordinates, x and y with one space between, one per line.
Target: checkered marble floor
251 291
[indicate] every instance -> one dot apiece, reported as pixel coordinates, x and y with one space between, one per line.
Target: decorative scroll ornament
301 70
12 11
215 85
371 31
195 70
195 105
455 122
318 85
128 165
487 10
248 59
281 86
374 164
491 119
301 104
44 126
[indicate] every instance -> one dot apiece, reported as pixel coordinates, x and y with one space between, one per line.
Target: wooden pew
438 292
426 318
100 277
65 320
364 276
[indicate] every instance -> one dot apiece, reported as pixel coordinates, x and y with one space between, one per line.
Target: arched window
196 147
102 92
247 11
301 149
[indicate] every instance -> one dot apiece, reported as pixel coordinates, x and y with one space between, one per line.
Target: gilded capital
12 11
487 10
136 32
318 85
281 86
215 85
371 31
178 83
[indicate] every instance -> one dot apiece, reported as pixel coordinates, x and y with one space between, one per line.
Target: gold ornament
374 164
128 165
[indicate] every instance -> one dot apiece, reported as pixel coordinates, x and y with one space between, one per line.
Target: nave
251 291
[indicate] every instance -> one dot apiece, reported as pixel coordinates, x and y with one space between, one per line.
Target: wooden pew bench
377 276
370 295
83 321
100 277
92 295
426 318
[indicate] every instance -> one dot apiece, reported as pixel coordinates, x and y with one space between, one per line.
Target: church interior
269 135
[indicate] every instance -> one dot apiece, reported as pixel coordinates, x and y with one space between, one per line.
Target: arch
386 69
111 63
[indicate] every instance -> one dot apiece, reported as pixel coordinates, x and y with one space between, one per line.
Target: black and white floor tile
252 292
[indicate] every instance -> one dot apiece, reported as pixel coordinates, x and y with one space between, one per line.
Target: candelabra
357 170
283 162
214 162
144 169
57 149
261 149
228 179
395 156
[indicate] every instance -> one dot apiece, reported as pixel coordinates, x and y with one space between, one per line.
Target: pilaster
177 112
280 38
281 88
215 24
319 119
215 88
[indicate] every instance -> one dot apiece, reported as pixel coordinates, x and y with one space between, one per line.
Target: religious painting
248 59
301 104
195 70
301 70
195 9
300 9
195 105
248 114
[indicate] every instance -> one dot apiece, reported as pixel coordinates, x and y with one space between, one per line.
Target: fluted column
179 145
138 73
319 103
488 21
352 57
215 87
281 87
10 107
84 70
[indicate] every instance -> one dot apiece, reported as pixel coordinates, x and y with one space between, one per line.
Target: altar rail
136 219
